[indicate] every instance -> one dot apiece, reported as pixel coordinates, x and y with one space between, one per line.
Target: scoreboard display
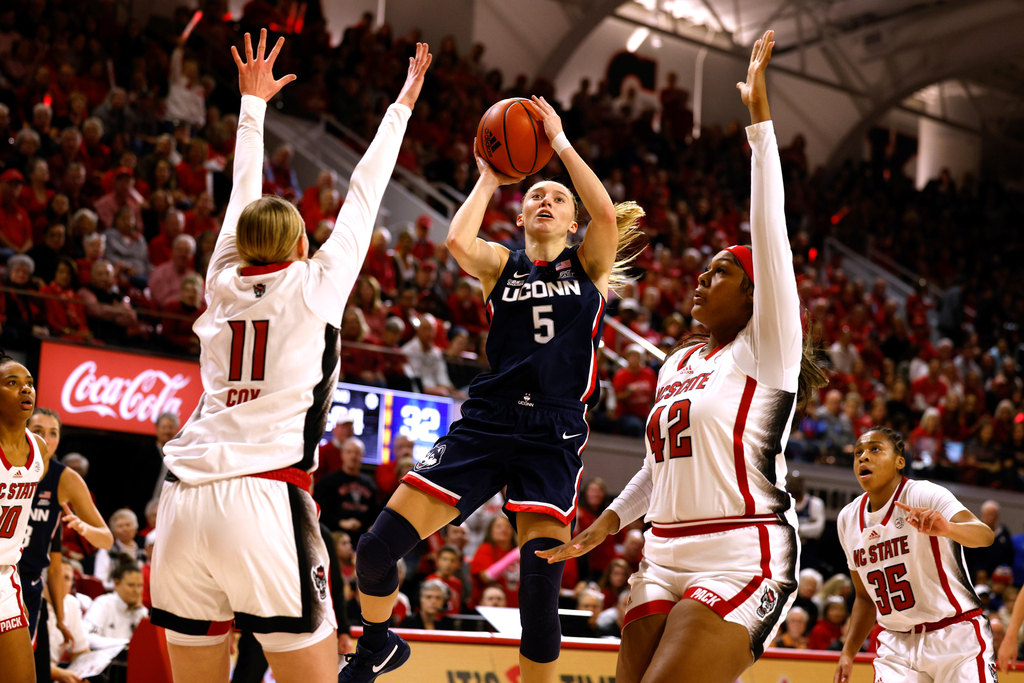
380 415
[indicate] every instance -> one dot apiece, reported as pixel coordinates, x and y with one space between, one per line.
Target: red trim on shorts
219 628
289 475
755 583
737 444
263 270
942 573
711 520
981 653
548 509
943 623
647 609
683 532
422 484
720 606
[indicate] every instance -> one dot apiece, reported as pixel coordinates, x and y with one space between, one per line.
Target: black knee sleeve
538 602
390 538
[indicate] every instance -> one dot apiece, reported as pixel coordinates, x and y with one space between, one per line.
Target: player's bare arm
1007 655
482 259
862 620
964 528
88 522
600 244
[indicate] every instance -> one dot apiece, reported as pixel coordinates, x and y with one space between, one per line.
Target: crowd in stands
116 145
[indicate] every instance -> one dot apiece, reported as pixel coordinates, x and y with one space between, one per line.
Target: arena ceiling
875 53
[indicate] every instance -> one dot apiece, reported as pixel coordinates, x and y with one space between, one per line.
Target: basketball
511 138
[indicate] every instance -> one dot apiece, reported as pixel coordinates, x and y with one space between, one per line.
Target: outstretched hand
414 79
583 543
71 520
255 74
754 91
549 117
926 520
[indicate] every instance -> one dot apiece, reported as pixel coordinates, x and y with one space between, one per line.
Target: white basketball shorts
12 607
247 550
959 653
746 575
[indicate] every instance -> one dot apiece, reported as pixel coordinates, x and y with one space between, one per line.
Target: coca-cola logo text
141 398
103 388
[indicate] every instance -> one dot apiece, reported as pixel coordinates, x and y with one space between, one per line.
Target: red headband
745 258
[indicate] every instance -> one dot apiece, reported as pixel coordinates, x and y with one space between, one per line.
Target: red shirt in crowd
643 382
929 389
486 555
15 225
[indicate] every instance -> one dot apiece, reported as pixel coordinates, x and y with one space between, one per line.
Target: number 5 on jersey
543 328
259 349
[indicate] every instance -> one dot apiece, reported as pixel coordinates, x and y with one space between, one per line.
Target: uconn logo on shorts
431 459
768 600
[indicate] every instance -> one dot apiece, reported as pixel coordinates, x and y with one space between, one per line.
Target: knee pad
390 538
538 602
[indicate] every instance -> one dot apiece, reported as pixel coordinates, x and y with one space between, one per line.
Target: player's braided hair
4 358
895 438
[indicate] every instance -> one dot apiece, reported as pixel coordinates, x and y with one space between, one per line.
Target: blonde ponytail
627 219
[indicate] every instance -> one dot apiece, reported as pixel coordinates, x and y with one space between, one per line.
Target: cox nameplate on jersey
380 415
115 390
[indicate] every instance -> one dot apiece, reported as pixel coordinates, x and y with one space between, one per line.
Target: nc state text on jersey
880 552
17 491
516 290
676 388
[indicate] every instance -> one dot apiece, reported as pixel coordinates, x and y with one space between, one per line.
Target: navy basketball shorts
529 443
32 594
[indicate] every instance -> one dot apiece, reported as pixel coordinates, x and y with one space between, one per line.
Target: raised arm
482 259
601 241
343 253
775 326
257 84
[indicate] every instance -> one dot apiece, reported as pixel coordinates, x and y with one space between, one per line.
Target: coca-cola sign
113 390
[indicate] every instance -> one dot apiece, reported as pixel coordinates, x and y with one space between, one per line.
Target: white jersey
270 345
914 578
17 488
721 417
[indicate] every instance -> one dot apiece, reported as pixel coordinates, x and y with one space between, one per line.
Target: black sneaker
364 666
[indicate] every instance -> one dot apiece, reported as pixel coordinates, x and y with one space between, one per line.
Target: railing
626 337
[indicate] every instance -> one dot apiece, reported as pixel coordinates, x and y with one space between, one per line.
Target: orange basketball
511 138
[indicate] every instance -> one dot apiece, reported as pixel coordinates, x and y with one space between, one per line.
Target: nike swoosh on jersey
519 275
378 667
571 436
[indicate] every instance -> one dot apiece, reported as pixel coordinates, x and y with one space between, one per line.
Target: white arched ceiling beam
595 13
954 54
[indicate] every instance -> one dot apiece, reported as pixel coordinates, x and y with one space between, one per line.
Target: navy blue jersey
546 321
40 537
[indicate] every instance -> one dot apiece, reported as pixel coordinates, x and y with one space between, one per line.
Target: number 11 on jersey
259 349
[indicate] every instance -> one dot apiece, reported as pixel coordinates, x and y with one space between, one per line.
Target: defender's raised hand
256 74
754 91
414 79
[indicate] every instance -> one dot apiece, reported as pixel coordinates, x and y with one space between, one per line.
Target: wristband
560 143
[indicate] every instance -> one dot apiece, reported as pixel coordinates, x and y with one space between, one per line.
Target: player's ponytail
268 230
631 237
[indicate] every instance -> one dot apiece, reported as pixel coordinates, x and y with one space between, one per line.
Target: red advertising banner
114 390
